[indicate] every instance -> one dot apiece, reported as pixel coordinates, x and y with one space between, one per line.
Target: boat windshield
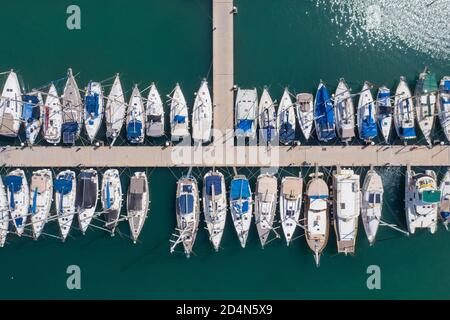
431 196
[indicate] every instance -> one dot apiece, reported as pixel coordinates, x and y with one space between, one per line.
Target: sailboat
344 112
443 105
65 197
290 205
265 205
372 204
4 214
17 191
111 196
154 113
384 111
425 98
32 115
52 117
188 212
202 115
241 207
41 197
367 125
93 109
286 119
115 110
267 117
404 112
137 203
86 197
179 121
305 113
324 114
72 111
422 198
135 118
246 116
215 206
347 201
444 207
317 222
10 106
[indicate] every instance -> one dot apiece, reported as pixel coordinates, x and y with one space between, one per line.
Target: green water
278 43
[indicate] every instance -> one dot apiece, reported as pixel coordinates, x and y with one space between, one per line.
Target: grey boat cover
137 189
154 126
86 191
111 216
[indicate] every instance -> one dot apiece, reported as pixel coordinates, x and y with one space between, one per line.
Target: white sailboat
404 112
202 115
384 111
93 109
72 111
87 195
135 118
241 207
65 197
11 107
154 113
246 113
422 198
372 204
286 121
137 203
52 116
41 197
367 116
215 206
179 121
115 110
18 198
344 112
347 201
4 214
444 207
425 98
267 117
111 197
290 205
32 114
305 113
443 105
265 205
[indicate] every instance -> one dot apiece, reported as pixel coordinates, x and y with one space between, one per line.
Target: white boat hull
65 205
115 111
11 107
202 115
41 196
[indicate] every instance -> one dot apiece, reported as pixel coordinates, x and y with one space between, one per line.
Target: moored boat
179 120
324 115
72 111
344 112
65 197
425 98
135 118
290 205
111 196
4 214
137 203
41 197
265 205
93 109
32 115
202 115
246 111
18 198
444 207
404 112
241 207
384 111
286 119
443 105
154 112
305 113
52 116
115 110
10 106
267 118
366 114
372 204
86 197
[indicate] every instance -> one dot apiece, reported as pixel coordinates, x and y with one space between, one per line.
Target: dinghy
384 111
372 204
72 111
154 113
179 121
4 214
443 106
202 115
425 98
111 196
52 117
286 119
215 206
347 200
188 212
267 118
135 118
86 197
10 107
422 199
344 112
241 206
324 115
65 197
265 205
41 196
305 113
444 207
317 223
367 125
137 203
93 109
18 199
404 112
246 113
290 205
115 111
32 115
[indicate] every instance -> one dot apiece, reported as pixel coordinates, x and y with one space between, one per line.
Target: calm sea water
277 43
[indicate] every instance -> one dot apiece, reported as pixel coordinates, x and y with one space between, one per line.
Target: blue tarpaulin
92 104
240 189
33 206
187 188
186 203
245 125
179 119
447 85
324 115
134 130
408 132
215 181
369 127
14 184
63 185
30 109
287 133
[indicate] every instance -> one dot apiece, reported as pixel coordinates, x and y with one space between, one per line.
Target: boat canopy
213 181
14 184
86 191
187 188
447 85
431 196
374 198
384 102
186 203
240 189
324 115
241 209
445 215
63 185
30 109
134 129
179 119
369 127
69 130
287 132
92 104
136 194
245 125
407 132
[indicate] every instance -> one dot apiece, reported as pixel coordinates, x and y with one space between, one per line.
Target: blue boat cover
18 221
30 108
268 133
447 85
213 181
369 127
63 185
108 197
179 119
287 133
384 102
408 132
240 189
14 184
445 215
134 130
92 104
324 115
241 210
187 188
245 125
186 203
33 206
322 197
69 130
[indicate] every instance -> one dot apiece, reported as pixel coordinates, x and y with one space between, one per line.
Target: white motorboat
135 118
93 109
305 113
372 204
241 207
41 197
246 113
18 198
202 115
115 110
11 107
265 205
137 203
52 117
290 205
111 196
65 197
344 112
179 121
86 197
154 113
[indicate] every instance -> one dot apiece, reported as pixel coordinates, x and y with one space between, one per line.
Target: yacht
135 118
246 113
324 115
52 117
290 205
443 105
111 196
372 204
425 98
32 115
86 197
115 111
344 111
367 125
384 111
202 115
137 203
41 197
286 119
241 207
93 109
18 198
267 118
65 197
444 207
179 120
154 113
265 205
10 106
72 111
404 112
4 214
